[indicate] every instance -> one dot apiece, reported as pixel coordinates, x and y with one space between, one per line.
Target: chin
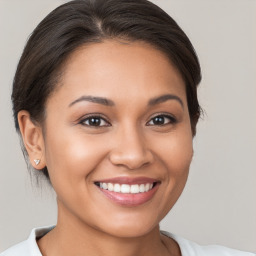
131 232
130 226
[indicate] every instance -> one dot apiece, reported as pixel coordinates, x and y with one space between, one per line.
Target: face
118 140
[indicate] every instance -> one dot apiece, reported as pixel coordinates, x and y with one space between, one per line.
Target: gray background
218 204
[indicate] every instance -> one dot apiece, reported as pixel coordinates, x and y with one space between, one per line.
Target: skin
129 143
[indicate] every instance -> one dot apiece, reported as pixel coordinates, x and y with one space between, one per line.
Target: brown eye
94 121
162 120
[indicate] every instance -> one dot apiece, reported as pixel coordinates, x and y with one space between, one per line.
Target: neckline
39 232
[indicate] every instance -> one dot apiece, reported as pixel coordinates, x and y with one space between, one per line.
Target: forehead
117 69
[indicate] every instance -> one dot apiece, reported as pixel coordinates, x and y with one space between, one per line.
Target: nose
131 150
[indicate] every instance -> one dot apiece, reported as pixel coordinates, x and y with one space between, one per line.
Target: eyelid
81 120
172 118
97 115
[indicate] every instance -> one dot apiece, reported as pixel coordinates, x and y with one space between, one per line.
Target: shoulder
28 247
189 248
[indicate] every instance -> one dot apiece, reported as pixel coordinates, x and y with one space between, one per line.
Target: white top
29 247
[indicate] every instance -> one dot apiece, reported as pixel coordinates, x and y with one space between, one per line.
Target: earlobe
32 138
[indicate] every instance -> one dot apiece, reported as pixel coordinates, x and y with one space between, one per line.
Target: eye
95 121
161 120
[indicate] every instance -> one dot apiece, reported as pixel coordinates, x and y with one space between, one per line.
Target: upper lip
128 180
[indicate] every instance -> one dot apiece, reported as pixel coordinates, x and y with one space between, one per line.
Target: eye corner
162 119
95 121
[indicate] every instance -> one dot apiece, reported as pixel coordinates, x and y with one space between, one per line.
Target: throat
171 245
59 243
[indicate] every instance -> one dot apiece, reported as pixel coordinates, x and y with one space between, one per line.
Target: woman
105 100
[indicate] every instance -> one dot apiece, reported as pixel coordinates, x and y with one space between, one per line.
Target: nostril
131 159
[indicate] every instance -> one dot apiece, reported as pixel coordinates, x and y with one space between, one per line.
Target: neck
71 236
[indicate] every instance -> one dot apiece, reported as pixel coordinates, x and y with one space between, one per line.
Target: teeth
135 189
142 188
117 188
110 187
125 188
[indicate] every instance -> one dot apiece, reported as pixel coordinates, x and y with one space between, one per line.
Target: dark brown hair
81 22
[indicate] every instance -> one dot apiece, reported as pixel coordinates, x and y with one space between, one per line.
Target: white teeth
125 188
117 188
105 186
135 189
147 187
110 187
142 188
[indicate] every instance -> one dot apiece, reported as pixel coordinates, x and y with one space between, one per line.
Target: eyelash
94 116
172 119
100 118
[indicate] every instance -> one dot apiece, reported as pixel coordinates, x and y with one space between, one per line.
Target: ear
33 140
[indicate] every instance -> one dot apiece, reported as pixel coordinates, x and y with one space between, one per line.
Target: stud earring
37 161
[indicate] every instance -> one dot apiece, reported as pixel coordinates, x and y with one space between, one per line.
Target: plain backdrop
218 205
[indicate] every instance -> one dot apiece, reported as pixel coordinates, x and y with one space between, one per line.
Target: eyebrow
108 102
165 97
94 99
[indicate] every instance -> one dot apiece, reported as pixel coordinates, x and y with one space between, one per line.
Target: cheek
176 152
181 152
176 155
71 157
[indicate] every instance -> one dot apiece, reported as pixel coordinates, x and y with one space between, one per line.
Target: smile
129 192
126 188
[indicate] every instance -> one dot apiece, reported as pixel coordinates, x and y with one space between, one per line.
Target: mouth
128 192
126 188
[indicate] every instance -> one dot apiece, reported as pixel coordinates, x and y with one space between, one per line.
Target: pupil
94 121
159 120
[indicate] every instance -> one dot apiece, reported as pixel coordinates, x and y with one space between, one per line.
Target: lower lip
130 199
